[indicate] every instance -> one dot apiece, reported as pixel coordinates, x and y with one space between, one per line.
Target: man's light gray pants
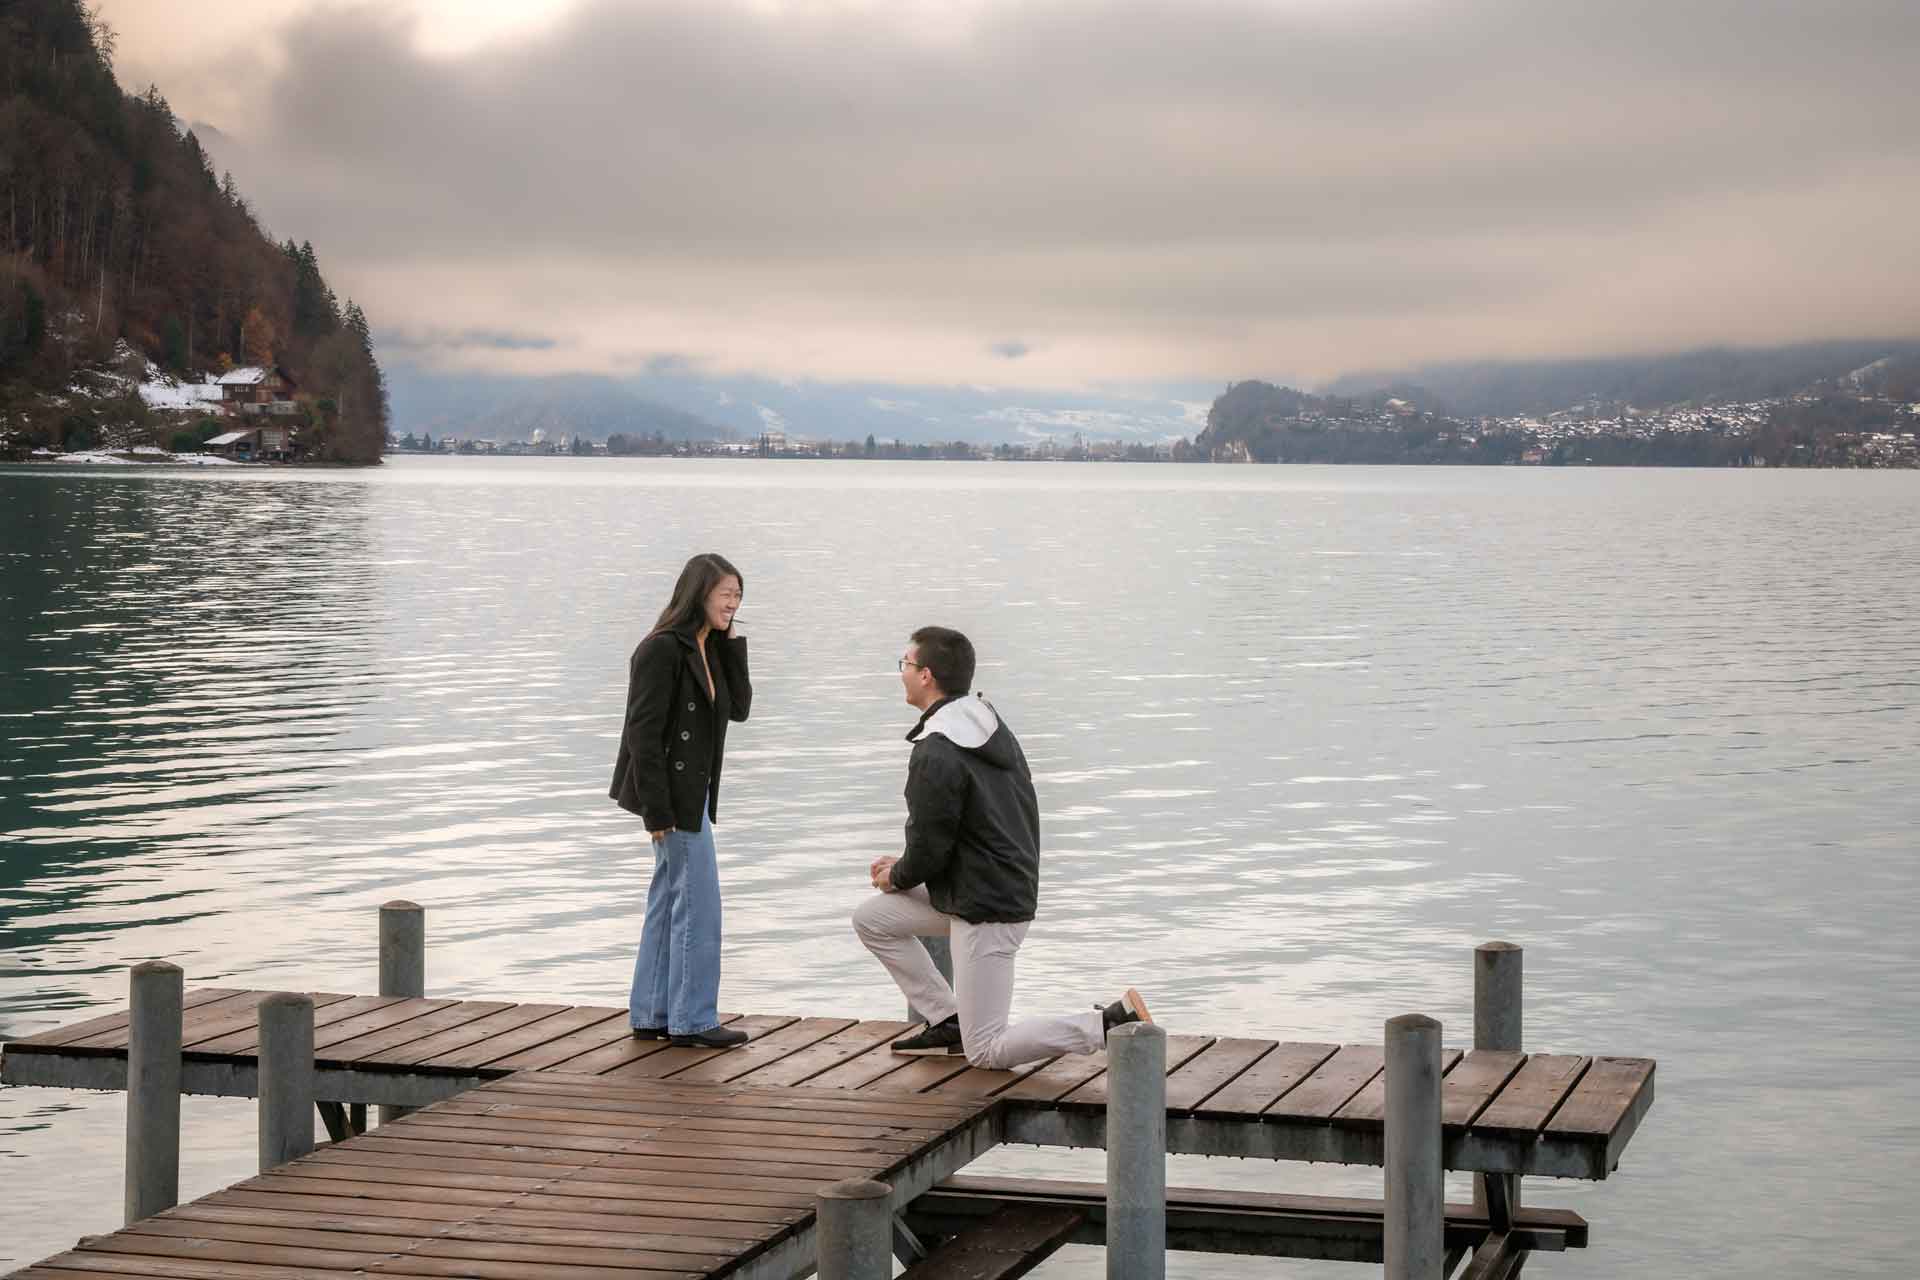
892 924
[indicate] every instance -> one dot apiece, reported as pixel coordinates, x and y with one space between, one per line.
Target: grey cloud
1359 181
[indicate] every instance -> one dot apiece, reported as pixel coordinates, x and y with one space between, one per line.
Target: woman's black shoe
649 1033
717 1038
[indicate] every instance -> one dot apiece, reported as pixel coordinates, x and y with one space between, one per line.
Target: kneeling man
970 873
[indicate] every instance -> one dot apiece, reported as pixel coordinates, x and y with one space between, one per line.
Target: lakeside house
256 389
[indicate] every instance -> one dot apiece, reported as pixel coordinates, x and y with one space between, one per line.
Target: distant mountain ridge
683 404
1706 376
478 407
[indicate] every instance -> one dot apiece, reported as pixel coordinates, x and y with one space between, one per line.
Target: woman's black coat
668 768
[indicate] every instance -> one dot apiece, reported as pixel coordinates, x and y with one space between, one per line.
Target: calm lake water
1302 737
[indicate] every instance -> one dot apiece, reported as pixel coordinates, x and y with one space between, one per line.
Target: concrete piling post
1416 1191
853 1234
403 962
942 952
155 992
1496 996
1137 1152
286 1078
1497 1009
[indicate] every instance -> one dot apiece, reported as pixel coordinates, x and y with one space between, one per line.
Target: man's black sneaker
1128 1008
649 1033
716 1038
941 1040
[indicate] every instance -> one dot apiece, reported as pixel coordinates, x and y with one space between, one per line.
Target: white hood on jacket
965 722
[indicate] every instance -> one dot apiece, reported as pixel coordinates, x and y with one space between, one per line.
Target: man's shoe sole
944 1051
1136 1005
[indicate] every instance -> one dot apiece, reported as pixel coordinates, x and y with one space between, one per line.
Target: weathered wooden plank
1276 1074
238 1031
542 1161
1331 1084
1367 1109
420 1228
205 1241
919 1075
615 1053
753 1221
1093 1094
330 1184
863 1069
554 1050
310 1240
415 1264
341 1204
679 1128
1468 1088
119 1019
1603 1098
93 1262
456 1015
1206 1073
714 1233
216 1017
480 1029
728 1161
1058 1078
763 1051
807 1097
678 1058
379 1168
1522 1108
840 1047
338 1030
794 1119
500 1047
984 1082
739 1119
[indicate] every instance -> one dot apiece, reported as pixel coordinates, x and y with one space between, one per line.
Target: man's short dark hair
948 656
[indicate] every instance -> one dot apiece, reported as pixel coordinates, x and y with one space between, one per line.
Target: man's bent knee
868 920
990 1056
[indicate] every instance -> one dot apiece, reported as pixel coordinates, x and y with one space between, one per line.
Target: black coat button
685 734
679 766
690 706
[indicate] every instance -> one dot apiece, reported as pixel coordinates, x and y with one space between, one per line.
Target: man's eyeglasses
904 663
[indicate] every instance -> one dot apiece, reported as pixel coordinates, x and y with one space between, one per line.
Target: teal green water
1302 737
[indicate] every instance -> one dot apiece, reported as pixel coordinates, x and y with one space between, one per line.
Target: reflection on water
1302 737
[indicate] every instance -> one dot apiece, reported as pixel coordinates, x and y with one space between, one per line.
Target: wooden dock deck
562 1177
1559 1115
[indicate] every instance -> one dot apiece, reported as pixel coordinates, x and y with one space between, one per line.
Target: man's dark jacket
973 821
668 768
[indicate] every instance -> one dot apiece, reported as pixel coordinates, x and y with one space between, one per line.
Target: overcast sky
1070 194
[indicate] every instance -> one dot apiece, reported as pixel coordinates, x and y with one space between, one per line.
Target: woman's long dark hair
689 603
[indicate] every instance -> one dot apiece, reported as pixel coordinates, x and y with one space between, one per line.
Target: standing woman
687 679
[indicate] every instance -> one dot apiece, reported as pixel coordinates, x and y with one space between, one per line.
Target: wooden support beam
1004 1245
1260 1224
1499 1258
334 1117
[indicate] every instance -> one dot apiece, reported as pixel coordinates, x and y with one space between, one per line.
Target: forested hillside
117 230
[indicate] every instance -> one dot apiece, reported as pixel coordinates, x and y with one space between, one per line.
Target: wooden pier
551 1144
1557 1115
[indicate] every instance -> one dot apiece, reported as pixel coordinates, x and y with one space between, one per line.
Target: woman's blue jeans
676 976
